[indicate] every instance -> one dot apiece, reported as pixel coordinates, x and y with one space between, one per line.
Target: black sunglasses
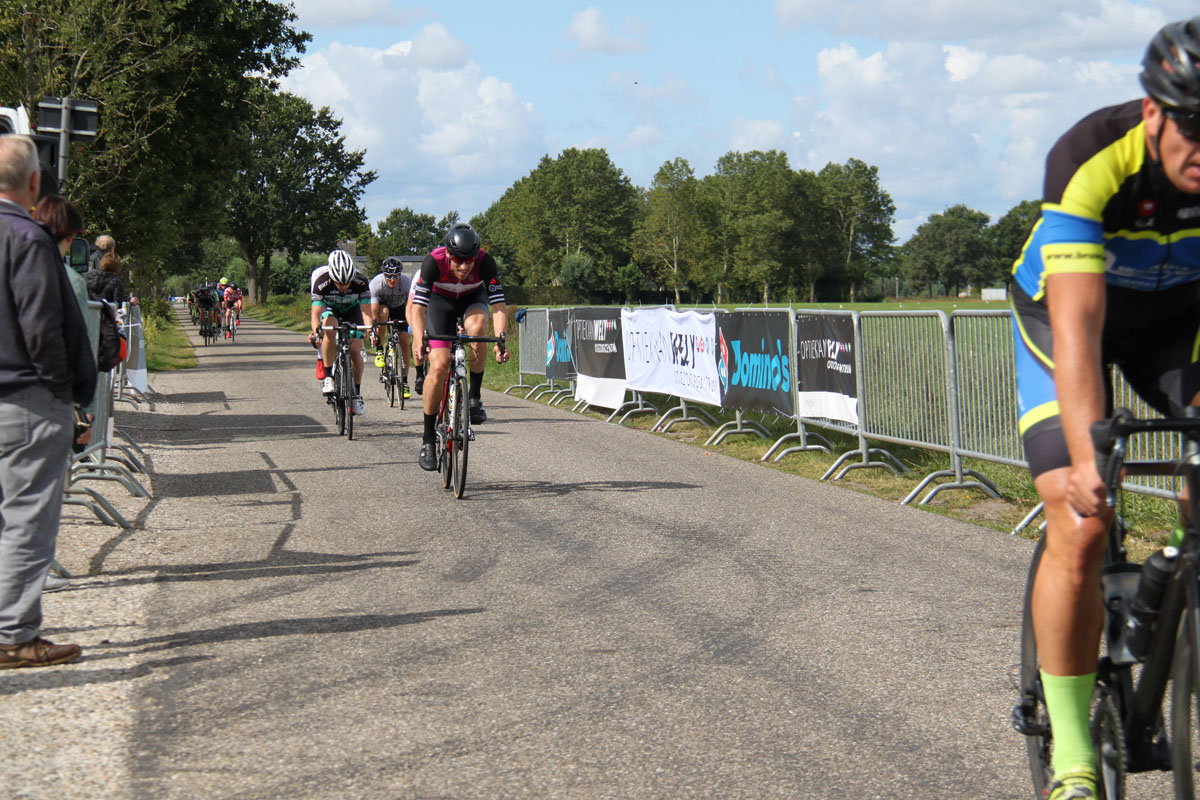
1188 123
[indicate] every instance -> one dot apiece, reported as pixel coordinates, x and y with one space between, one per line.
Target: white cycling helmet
341 266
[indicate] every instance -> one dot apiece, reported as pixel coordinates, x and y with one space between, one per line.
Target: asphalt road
607 613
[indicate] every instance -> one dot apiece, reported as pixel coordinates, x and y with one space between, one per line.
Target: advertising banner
754 361
671 352
826 386
135 363
559 365
599 362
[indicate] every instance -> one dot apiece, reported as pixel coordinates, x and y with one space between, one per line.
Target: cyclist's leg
356 353
328 340
475 322
1066 604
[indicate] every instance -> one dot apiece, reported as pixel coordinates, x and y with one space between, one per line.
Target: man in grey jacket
45 365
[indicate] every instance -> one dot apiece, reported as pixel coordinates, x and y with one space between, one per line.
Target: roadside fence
922 379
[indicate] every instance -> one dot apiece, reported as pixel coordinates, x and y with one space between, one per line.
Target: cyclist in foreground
389 295
1108 276
456 280
339 294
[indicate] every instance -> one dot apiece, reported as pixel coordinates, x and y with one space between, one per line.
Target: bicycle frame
1143 703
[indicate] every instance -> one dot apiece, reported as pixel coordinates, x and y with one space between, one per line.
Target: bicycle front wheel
348 392
446 434
389 375
461 440
1185 705
1030 713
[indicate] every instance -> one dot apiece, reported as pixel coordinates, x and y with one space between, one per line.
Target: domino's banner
671 352
559 366
826 386
754 361
599 356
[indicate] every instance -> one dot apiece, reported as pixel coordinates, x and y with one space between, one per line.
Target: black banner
599 355
753 361
559 365
825 381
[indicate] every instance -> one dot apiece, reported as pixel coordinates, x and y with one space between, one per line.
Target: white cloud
589 29
755 134
437 129
334 14
642 136
962 62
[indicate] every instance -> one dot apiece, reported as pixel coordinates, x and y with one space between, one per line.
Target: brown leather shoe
37 652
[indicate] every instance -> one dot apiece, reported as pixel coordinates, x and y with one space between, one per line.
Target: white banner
672 352
135 363
602 392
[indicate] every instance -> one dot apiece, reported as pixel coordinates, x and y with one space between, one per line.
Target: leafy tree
579 274
747 207
297 189
670 235
629 280
862 213
404 232
1008 236
951 248
172 79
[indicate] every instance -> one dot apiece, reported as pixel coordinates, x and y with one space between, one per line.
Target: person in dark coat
46 366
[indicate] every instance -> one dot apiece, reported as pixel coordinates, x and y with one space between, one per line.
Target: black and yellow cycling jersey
1107 208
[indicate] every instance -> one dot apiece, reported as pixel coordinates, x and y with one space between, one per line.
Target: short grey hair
105 243
18 160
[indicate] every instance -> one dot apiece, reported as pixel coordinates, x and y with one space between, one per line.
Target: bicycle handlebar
465 339
1110 439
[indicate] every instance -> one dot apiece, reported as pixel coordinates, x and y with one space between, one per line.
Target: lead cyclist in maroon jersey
456 280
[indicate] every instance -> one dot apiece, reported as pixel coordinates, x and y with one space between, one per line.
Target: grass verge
167 345
1149 519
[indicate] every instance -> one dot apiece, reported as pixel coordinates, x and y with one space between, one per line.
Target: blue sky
955 101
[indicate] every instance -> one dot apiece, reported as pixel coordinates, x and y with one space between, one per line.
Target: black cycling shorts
397 313
1153 337
442 313
353 316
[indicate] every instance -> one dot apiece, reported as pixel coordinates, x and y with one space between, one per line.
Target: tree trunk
264 278
251 260
812 291
852 291
766 292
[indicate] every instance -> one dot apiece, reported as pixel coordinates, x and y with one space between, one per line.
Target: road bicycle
454 434
393 376
342 398
230 326
1151 647
208 324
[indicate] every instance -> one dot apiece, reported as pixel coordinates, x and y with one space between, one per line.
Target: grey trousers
36 429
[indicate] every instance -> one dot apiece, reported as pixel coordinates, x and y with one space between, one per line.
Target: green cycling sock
1069 703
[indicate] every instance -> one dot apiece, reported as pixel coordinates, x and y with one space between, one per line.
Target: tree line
202 161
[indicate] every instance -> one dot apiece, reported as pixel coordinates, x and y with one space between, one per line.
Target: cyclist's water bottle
1143 612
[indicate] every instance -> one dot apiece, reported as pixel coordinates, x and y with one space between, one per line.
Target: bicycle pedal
470 435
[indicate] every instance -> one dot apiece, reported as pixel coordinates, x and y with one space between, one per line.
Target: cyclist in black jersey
1109 275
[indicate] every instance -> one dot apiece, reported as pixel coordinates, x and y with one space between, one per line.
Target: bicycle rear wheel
1030 715
232 330
460 437
1185 706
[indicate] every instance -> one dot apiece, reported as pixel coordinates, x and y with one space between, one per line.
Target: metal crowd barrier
924 379
531 349
103 459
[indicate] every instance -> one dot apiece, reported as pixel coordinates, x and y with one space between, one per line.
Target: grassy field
1149 518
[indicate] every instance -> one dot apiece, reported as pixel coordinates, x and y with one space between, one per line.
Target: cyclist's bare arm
1076 302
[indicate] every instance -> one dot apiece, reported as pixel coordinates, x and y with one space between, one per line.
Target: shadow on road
535 489
302 626
78 674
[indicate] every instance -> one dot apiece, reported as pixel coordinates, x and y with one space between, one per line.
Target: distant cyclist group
216 307
452 291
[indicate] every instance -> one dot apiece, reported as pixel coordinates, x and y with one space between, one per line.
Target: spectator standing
47 365
104 245
105 283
